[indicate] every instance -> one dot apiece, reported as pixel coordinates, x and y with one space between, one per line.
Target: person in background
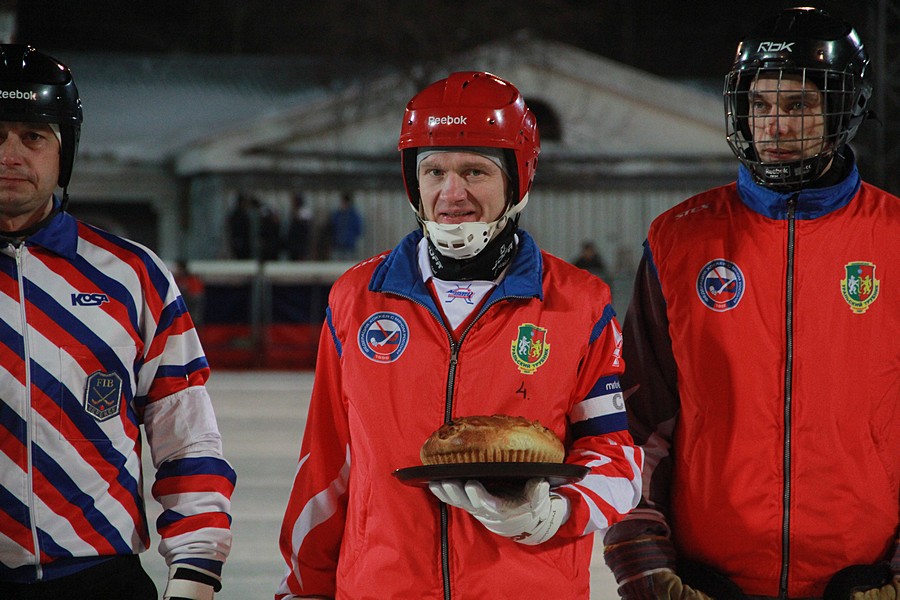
98 351
254 229
763 369
243 228
465 316
346 227
269 231
299 229
589 259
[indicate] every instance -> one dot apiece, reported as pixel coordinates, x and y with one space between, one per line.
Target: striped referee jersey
95 341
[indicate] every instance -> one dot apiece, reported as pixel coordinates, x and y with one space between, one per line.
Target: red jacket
389 374
765 347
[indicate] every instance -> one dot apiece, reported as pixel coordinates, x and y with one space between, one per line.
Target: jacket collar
60 235
811 202
399 273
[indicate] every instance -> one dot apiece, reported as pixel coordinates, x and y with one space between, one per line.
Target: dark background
678 39
673 38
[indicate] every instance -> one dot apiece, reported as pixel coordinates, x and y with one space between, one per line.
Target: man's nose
775 122
11 150
454 187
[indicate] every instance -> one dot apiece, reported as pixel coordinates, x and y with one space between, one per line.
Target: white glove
531 519
186 588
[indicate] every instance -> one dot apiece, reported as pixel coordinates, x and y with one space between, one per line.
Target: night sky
674 38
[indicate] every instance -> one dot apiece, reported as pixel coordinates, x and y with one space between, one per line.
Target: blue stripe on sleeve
337 342
198 364
600 425
213 566
605 385
599 326
202 465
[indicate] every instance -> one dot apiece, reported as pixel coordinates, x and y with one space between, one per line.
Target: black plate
556 473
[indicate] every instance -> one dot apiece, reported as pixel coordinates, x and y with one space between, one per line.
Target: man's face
29 171
460 187
786 118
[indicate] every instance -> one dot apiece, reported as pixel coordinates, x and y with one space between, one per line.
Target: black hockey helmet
36 88
813 46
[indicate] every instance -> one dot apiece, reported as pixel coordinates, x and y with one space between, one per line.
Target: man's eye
760 108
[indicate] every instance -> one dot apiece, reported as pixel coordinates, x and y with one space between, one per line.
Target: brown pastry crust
495 438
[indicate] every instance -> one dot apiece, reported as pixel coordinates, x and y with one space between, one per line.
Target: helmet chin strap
794 175
487 265
461 241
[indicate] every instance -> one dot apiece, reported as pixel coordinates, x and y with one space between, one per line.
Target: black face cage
835 107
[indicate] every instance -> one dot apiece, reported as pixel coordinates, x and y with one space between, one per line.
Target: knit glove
646 568
659 585
864 582
890 591
635 560
189 584
531 519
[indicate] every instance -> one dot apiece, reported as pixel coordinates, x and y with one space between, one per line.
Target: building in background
176 139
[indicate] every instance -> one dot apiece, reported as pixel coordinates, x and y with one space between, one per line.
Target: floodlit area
262 415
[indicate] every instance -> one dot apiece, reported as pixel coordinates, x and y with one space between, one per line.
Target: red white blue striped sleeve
600 439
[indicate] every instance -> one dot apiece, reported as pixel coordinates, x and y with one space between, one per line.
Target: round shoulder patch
720 285
383 337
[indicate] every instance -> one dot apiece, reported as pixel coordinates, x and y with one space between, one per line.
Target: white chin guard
465 240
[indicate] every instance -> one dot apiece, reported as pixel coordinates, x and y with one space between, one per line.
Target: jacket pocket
356 533
95 393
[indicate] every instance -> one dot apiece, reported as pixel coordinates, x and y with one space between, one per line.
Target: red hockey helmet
471 109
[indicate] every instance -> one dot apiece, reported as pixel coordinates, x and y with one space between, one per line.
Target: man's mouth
455 216
777 154
12 177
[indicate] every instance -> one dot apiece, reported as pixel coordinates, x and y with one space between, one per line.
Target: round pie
495 438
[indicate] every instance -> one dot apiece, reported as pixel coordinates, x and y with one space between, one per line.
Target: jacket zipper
19 249
445 512
448 410
448 414
788 396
